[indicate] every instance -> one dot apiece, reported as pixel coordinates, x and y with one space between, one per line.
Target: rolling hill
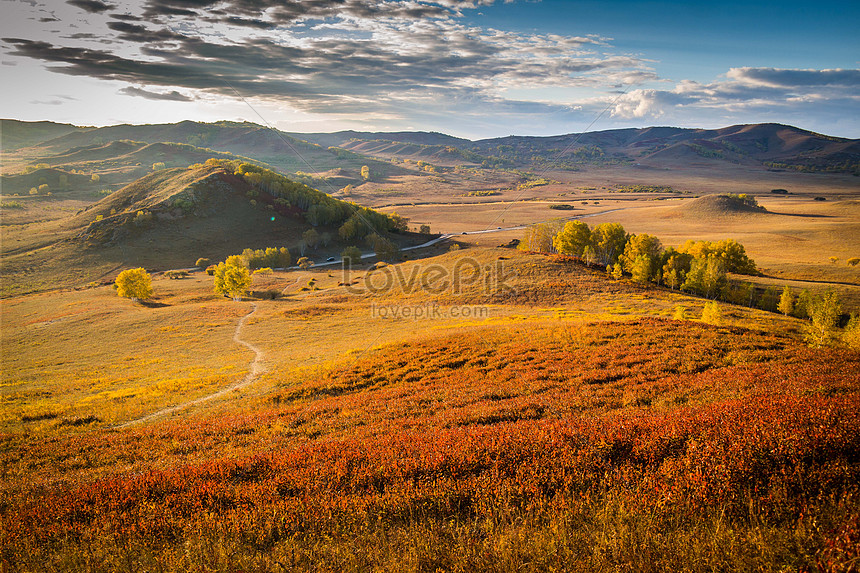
770 146
169 218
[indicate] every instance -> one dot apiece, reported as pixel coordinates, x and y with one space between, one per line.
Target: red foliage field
642 446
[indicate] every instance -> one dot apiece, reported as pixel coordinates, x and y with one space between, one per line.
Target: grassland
574 426
477 409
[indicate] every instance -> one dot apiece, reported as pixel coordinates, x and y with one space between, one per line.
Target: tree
608 240
824 314
851 336
539 237
232 278
365 172
572 239
588 254
680 313
135 284
384 249
642 244
311 238
786 301
424 229
158 166
617 271
304 263
95 178
730 251
202 263
351 256
769 299
707 277
641 269
802 304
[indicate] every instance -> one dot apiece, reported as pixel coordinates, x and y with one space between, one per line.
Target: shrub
711 313
202 263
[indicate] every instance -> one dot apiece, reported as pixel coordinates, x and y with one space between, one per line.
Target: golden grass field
478 409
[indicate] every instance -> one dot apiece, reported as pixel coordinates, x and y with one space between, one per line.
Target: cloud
782 78
92 6
752 95
354 63
169 96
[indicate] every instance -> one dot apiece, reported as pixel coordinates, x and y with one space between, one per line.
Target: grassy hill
573 427
164 220
280 150
16 134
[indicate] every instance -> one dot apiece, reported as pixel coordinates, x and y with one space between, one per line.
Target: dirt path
255 368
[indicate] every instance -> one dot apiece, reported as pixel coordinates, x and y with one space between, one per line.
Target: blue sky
471 68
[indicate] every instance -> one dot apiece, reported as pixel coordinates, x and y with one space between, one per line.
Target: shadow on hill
152 304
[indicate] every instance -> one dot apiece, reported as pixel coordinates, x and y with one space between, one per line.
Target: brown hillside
718 206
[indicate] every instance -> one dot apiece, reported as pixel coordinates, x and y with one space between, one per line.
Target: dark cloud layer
169 96
92 6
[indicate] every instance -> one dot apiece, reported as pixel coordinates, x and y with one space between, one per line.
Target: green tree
641 269
803 303
232 278
588 254
769 300
135 284
786 301
642 244
311 238
851 335
608 240
384 249
572 239
824 312
707 277
351 256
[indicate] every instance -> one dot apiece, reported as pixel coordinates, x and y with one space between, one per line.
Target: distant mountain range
770 146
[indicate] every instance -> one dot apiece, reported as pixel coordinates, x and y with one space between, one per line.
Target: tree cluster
698 266
317 208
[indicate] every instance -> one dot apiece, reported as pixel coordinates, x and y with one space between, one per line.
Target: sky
469 68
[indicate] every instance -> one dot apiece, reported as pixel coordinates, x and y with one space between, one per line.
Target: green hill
169 218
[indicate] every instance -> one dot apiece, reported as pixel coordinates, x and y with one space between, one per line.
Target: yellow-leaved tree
232 278
135 284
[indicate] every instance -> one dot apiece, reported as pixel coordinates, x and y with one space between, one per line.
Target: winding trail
255 368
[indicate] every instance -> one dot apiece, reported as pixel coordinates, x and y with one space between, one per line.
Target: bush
202 263
711 313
